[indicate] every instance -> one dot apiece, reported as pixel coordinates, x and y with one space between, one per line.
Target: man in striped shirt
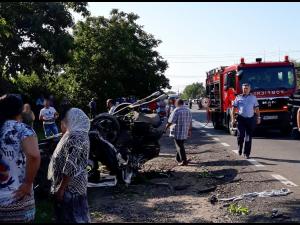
181 129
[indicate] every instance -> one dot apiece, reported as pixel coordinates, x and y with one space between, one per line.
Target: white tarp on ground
272 193
106 181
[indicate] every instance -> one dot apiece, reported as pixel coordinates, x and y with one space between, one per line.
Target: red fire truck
271 82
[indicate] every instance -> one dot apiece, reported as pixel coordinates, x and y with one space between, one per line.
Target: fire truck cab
273 83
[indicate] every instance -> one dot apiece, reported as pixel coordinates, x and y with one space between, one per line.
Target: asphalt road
272 153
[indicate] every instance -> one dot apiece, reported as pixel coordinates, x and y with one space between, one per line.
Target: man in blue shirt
247 118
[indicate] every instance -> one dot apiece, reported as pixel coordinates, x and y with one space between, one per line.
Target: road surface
272 153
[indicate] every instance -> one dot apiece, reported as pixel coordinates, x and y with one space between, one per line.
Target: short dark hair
180 101
246 84
11 105
110 101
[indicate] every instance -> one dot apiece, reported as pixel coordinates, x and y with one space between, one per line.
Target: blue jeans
50 128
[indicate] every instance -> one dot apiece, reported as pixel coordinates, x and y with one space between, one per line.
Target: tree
34 36
194 90
115 57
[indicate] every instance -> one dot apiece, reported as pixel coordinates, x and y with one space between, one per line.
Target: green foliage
115 57
102 57
297 65
4 29
34 36
30 86
237 209
194 90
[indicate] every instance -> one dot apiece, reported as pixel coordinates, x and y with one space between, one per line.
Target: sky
197 37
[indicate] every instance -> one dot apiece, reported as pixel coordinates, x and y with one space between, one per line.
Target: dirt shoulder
165 192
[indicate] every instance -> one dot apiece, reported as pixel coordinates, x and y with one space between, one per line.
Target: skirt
20 211
72 209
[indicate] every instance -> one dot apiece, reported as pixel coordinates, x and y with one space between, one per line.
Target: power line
226 54
183 76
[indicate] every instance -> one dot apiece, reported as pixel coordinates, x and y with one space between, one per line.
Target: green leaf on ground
238 209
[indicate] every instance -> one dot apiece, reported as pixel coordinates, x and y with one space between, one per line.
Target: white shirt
48 114
112 109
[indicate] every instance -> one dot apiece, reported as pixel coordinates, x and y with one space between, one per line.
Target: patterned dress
12 173
70 158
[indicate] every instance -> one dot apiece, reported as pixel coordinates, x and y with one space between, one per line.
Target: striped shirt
181 118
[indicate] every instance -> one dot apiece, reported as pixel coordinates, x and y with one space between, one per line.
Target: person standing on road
181 121
190 103
48 115
170 107
27 115
93 108
247 118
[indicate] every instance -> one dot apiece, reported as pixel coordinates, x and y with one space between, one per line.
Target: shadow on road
277 160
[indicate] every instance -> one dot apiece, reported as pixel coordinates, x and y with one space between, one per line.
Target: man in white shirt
48 115
110 105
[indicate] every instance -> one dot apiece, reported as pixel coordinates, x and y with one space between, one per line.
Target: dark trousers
180 156
93 113
245 130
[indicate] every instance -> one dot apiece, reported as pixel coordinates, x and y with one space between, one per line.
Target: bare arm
257 111
168 125
63 185
258 119
190 130
232 113
32 153
56 115
33 116
298 118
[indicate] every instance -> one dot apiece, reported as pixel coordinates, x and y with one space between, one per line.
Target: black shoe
246 156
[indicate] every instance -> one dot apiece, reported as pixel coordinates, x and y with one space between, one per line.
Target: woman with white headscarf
68 168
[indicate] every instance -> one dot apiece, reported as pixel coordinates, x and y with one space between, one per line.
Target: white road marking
166 154
255 163
236 151
198 124
204 131
209 135
225 144
216 139
284 180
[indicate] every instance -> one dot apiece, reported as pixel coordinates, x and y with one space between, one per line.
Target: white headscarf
77 120
77 123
